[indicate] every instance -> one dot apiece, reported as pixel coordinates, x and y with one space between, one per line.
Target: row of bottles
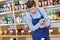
54 30
54 14
6 7
19 5
6 20
9 30
22 31
21 18
48 2
13 32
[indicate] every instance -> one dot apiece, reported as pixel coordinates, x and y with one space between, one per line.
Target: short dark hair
31 4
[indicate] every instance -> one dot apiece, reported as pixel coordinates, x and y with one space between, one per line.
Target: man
37 21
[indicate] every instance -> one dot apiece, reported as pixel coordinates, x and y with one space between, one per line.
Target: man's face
32 9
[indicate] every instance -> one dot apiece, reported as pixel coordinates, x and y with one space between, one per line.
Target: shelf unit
17 25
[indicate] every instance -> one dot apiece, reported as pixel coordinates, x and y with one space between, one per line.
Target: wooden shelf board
6 13
51 6
2 0
21 23
5 24
8 35
54 21
20 10
54 36
24 36
51 36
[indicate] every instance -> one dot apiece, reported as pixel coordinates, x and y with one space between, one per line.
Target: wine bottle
59 1
17 5
40 3
45 3
51 2
48 2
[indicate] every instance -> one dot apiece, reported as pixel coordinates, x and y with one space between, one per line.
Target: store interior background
12 19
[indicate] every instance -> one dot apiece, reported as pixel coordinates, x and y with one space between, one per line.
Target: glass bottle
40 3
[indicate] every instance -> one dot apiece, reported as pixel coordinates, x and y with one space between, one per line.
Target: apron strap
31 16
40 13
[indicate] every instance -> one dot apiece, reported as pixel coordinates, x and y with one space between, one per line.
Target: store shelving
5 13
20 10
20 23
6 24
2 0
51 6
8 35
22 36
16 13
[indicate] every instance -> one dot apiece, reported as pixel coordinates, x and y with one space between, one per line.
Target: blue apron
40 32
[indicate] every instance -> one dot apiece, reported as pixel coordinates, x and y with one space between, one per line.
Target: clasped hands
42 23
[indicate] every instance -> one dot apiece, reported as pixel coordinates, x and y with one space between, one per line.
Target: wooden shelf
8 35
54 36
6 24
20 10
24 36
2 0
21 23
54 21
51 36
6 13
51 6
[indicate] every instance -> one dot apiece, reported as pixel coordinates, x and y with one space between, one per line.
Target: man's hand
42 23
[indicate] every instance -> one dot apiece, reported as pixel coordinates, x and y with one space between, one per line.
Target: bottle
50 31
40 3
4 8
29 32
5 32
25 7
16 31
9 7
51 2
59 1
45 3
8 31
22 6
22 31
21 17
18 19
11 32
55 2
59 30
48 2
17 5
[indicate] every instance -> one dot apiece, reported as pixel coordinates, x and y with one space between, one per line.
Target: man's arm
29 22
46 18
